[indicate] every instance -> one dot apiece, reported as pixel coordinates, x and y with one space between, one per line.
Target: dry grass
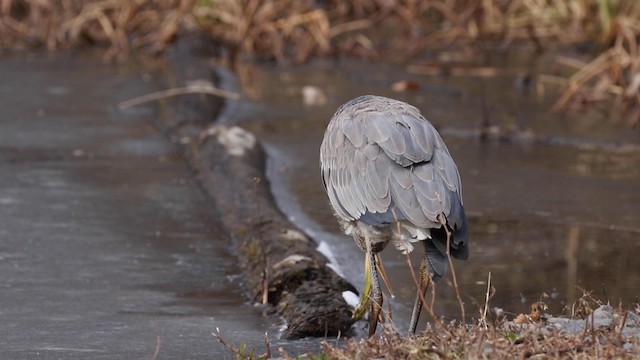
117 25
287 29
524 336
459 342
533 336
295 30
616 71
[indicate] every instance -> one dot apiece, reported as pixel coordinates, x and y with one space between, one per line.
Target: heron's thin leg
376 304
425 279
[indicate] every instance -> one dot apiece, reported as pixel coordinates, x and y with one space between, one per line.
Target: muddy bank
281 264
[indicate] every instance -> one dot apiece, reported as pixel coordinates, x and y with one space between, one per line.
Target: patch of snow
351 298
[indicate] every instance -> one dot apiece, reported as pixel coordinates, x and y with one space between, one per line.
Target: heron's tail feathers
437 262
436 251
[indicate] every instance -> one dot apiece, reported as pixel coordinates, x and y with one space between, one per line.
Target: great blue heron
389 176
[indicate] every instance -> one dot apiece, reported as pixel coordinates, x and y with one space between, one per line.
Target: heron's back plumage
382 164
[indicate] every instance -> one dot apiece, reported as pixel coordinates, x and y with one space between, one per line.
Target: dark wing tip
437 262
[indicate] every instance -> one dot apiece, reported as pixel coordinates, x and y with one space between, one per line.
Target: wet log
281 265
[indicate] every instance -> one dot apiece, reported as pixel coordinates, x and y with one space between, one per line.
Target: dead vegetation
589 329
295 30
117 25
284 30
597 331
509 342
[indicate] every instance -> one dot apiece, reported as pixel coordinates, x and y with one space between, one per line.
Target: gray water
108 247
552 214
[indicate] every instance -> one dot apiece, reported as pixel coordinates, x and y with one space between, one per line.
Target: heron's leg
376 304
425 279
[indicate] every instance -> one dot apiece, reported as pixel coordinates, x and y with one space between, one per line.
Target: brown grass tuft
295 30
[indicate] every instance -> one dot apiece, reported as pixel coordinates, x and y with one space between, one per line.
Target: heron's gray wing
424 178
367 155
380 155
439 190
404 135
354 172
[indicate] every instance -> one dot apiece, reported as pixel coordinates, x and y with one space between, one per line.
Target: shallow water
552 215
108 247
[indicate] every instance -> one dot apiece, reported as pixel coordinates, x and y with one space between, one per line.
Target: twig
453 270
486 302
383 273
415 279
557 80
199 87
263 250
600 64
479 348
157 351
604 292
267 346
623 323
419 287
349 26
218 336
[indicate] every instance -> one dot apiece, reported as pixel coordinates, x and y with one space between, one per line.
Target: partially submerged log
281 265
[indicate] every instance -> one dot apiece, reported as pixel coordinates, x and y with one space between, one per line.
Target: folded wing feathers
402 176
353 132
405 139
407 202
377 152
375 190
426 192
